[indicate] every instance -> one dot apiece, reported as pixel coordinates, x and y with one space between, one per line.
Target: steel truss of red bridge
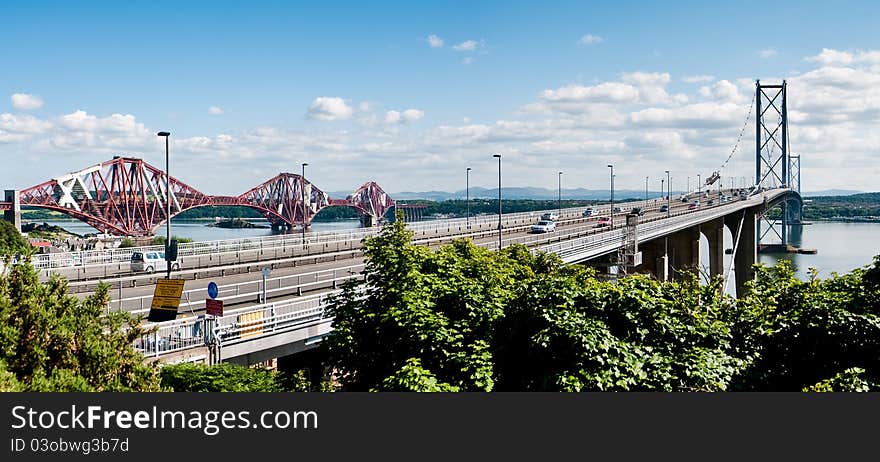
126 197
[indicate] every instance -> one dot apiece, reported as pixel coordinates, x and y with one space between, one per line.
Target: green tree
797 333
230 377
11 241
51 341
419 309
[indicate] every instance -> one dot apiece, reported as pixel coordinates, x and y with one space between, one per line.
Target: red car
604 221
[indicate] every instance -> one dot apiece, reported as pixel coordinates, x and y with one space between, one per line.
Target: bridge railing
584 245
248 290
235 325
116 256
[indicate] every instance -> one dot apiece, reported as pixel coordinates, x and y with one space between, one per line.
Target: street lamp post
499 199
467 188
559 196
668 194
646 191
699 184
611 212
688 191
303 184
167 206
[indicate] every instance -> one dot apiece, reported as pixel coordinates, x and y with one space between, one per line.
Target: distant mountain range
549 194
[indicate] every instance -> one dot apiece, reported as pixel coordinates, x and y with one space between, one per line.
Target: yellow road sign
167 294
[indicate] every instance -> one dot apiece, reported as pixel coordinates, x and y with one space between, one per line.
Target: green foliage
464 318
127 243
11 241
220 377
160 240
51 341
848 380
413 377
230 377
797 332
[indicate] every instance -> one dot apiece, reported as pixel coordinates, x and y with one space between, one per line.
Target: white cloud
723 91
215 110
767 53
26 102
412 115
829 57
407 116
698 78
590 39
329 108
434 41
467 45
20 127
609 92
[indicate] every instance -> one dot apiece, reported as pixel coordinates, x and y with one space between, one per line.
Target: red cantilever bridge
126 196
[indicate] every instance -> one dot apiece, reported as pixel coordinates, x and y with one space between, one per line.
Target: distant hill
831 192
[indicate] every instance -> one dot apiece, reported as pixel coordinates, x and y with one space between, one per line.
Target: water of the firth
842 246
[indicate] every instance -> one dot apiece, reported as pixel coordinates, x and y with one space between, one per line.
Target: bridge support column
746 248
684 247
654 259
714 231
13 216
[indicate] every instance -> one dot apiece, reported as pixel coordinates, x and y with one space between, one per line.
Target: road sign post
166 300
214 307
266 272
212 289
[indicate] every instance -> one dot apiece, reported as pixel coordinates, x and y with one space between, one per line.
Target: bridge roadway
238 286
249 334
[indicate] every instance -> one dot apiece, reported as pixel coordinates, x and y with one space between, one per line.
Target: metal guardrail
234 326
86 258
247 290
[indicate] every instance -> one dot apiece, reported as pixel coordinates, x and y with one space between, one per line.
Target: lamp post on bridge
559 196
662 187
167 206
499 199
646 191
668 194
467 188
699 184
303 187
611 211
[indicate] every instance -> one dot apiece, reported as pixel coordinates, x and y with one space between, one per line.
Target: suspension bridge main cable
741 133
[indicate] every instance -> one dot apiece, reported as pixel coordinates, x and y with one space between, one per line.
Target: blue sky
263 65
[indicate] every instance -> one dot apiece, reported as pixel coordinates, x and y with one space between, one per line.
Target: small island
235 223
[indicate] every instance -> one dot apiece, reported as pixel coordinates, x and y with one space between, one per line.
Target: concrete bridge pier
746 249
654 259
714 231
13 216
684 250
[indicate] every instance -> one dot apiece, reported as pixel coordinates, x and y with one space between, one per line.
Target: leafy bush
229 377
52 341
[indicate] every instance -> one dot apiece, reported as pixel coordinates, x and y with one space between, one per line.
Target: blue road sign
212 290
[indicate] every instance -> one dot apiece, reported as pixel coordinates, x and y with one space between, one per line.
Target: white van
151 261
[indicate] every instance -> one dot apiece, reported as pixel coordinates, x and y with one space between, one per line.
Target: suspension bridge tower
775 167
